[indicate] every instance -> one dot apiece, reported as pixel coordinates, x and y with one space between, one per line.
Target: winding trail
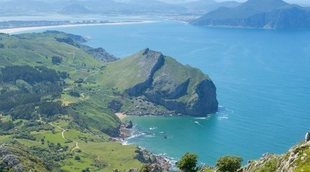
63 130
76 146
62 133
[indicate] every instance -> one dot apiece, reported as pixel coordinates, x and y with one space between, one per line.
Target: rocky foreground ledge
296 159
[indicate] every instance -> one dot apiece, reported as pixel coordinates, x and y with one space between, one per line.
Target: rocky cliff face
157 61
162 81
100 54
296 159
78 41
18 160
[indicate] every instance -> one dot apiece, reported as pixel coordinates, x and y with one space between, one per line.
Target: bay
262 79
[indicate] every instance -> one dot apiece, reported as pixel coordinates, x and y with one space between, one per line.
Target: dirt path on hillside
62 133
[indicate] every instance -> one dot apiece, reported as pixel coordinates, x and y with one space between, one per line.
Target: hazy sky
290 1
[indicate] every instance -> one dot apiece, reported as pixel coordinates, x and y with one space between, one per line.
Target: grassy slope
37 50
120 76
127 72
92 148
102 83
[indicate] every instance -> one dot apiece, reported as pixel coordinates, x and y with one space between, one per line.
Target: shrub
99 164
23 111
228 164
56 60
25 135
115 105
6 126
86 170
29 74
79 81
74 94
51 108
77 158
188 163
145 168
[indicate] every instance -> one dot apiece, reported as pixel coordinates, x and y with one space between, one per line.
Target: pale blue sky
290 1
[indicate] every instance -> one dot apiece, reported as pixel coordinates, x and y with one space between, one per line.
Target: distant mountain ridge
267 14
81 7
153 6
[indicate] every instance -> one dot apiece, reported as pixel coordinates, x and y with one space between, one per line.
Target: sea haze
262 79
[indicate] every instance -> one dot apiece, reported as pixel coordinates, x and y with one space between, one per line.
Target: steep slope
59 53
13 158
163 81
268 14
58 99
297 159
52 118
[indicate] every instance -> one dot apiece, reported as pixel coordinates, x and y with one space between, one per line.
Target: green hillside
155 78
58 97
50 119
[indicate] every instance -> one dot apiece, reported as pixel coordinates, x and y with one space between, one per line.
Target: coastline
34 28
128 131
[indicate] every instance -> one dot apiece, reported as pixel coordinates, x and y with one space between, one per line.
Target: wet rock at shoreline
154 163
129 125
307 137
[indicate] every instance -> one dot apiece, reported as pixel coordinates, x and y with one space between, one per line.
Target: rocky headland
159 85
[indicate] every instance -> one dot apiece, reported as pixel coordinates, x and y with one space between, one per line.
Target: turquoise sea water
262 77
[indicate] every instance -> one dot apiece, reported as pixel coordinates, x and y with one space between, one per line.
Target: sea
262 79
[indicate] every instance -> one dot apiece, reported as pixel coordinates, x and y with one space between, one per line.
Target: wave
150 135
124 143
201 118
223 109
223 113
152 128
223 117
135 135
196 122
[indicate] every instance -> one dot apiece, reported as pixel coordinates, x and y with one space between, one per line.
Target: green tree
77 158
56 60
228 164
188 163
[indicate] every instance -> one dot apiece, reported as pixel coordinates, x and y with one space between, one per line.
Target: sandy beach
27 29
121 116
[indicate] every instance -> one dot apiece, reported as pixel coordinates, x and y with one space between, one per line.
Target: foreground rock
18 160
155 163
297 159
